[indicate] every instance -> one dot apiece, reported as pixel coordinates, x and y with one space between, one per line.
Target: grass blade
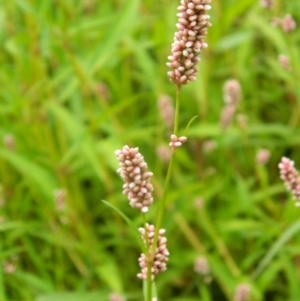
288 234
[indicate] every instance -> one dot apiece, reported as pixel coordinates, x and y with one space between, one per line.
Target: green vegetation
80 79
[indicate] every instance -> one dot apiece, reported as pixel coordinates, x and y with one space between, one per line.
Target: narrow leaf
129 222
288 234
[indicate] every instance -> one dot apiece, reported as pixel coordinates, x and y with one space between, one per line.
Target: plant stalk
162 203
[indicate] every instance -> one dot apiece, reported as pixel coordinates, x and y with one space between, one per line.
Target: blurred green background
80 79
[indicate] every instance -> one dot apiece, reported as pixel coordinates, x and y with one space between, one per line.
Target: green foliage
80 79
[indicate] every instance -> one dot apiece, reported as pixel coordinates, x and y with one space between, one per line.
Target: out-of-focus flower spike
290 177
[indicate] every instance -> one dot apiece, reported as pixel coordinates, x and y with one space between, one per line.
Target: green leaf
110 274
130 223
233 40
270 32
288 234
9 225
74 296
189 124
40 178
82 141
122 23
33 281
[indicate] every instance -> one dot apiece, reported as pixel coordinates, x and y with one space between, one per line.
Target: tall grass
79 79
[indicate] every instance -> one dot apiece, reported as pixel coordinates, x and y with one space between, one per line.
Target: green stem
162 204
150 261
177 105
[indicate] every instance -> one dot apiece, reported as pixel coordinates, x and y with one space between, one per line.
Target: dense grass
80 79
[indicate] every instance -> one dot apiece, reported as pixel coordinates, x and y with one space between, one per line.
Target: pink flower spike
161 252
188 40
242 292
290 177
267 3
134 171
288 23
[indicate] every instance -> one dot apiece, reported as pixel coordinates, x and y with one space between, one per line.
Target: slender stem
162 204
151 253
177 105
150 262
161 209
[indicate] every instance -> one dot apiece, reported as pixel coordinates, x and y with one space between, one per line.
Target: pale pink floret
134 171
161 252
290 176
188 40
176 141
242 292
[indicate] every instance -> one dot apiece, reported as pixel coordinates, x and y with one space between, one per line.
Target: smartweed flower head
290 177
209 146
276 22
201 266
242 292
159 258
10 266
232 96
134 171
288 23
192 26
199 203
60 196
232 92
116 297
166 110
262 156
267 3
9 142
284 62
227 114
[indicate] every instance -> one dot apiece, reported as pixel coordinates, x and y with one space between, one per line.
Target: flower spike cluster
188 40
161 252
290 176
134 171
